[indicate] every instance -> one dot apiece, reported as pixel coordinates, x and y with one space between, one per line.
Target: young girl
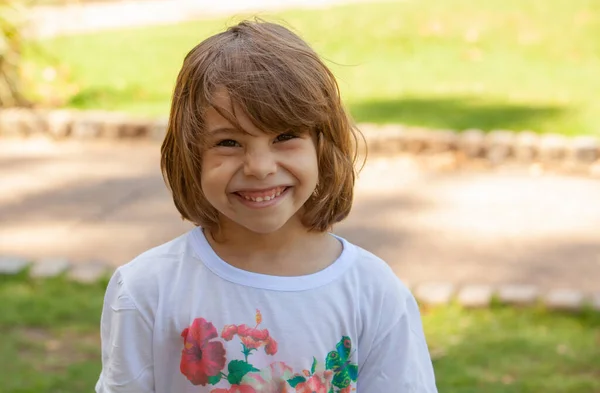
260 297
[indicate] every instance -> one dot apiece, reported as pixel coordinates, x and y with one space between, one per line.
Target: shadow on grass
458 113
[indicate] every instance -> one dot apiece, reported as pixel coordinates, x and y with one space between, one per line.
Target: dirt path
108 202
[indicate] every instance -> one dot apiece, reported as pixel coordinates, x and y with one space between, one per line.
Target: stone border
518 295
576 155
580 154
78 125
430 294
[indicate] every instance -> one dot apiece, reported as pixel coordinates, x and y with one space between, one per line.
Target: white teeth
265 198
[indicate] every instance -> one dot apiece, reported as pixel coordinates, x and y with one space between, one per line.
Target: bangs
278 89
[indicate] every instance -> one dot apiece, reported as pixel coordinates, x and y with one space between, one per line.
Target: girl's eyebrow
229 130
225 130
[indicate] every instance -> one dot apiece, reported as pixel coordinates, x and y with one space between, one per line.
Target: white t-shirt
179 319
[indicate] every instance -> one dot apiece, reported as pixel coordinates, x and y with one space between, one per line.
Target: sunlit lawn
50 343
439 63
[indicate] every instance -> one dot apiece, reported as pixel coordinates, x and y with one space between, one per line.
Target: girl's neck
290 251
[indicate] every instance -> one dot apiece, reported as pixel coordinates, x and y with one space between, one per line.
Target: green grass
455 64
50 336
506 350
50 343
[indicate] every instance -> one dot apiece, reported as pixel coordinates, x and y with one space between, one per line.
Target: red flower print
319 383
346 390
271 347
236 389
228 332
201 358
254 338
250 343
256 334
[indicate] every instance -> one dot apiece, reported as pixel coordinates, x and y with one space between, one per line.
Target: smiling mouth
263 195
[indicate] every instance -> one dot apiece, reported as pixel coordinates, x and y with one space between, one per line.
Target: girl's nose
260 164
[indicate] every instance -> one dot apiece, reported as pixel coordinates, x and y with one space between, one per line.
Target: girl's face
256 180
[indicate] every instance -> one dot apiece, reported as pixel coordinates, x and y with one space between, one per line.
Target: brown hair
281 84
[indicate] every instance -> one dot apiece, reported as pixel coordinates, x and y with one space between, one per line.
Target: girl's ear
320 146
320 141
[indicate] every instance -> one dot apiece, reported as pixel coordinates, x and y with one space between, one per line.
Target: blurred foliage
11 49
24 82
441 64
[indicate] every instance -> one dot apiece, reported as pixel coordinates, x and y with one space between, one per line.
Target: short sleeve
399 359
127 364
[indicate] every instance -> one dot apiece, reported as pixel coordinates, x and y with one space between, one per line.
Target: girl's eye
285 137
228 143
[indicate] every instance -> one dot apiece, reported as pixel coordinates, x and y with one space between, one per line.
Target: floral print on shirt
204 358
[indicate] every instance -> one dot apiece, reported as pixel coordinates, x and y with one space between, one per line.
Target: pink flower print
319 383
228 332
235 389
272 379
200 357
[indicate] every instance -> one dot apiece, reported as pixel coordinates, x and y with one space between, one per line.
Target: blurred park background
519 65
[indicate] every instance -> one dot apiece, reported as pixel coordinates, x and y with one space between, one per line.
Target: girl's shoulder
153 259
370 265
381 296
156 267
375 277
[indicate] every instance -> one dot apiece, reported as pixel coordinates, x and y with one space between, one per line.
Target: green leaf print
247 352
214 380
237 370
314 366
344 372
296 380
